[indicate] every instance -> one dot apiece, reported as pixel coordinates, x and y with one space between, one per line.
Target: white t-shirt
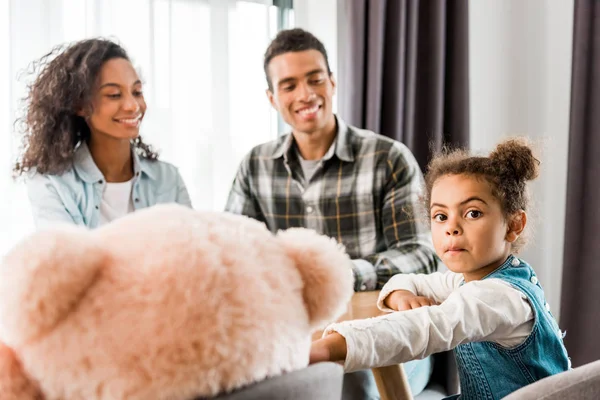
486 310
116 201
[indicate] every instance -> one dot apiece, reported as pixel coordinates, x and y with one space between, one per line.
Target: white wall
520 71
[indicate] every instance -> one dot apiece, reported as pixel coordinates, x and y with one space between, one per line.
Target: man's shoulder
366 141
268 149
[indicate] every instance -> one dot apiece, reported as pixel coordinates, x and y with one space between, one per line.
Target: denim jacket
75 195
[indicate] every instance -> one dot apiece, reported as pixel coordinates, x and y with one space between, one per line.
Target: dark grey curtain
580 303
404 73
404 70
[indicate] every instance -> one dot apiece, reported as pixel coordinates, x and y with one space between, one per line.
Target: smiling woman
200 63
82 153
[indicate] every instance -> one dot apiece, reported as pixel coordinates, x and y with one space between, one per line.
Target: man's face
302 90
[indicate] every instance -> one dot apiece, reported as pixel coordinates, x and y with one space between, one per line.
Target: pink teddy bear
165 303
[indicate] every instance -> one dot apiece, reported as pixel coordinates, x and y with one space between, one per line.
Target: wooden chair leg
392 383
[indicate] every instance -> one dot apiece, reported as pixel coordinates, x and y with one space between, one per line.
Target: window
201 61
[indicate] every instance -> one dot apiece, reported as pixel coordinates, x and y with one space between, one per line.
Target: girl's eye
138 93
473 214
439 217
113 96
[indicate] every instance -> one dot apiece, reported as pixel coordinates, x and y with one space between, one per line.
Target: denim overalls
490 371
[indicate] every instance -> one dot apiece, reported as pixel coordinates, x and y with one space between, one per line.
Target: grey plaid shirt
364 193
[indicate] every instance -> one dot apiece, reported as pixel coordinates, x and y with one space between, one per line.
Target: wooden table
391 381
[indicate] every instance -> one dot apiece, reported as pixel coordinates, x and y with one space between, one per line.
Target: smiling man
347 183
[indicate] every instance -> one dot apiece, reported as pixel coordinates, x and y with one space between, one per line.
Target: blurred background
427 73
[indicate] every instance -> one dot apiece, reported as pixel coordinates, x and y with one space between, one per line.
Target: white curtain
201 61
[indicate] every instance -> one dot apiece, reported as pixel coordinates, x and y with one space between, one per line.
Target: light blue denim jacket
74 196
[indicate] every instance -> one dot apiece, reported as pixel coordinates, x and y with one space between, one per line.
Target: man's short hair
292 40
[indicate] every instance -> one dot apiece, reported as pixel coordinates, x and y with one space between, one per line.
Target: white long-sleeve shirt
487 310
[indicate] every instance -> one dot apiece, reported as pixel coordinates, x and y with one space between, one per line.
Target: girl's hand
330 348
402 300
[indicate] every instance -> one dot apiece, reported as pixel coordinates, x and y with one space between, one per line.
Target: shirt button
137 200
309 209
101 181
363 287
534 280
515 262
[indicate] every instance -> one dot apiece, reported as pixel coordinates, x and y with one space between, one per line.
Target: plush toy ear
14 383
42 278
326 271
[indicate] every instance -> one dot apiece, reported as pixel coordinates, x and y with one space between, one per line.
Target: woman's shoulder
66 178
158 170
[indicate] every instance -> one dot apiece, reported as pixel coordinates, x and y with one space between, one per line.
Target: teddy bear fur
165 303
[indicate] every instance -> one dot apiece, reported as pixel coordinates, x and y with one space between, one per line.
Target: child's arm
478 311
331 348
434 287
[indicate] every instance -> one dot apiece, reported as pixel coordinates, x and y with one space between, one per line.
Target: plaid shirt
364 193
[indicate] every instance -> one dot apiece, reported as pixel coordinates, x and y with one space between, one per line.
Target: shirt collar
87 169
341 147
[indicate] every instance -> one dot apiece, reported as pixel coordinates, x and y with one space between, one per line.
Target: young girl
82 152
489 308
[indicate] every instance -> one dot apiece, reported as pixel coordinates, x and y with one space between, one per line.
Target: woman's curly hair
507 169
50 127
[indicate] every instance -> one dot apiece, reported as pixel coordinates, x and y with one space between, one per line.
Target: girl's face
470 233
118 104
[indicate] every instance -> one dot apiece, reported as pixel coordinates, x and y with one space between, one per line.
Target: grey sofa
581 383
322 381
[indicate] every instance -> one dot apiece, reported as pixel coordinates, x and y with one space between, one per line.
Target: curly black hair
50 126
507 169
292 40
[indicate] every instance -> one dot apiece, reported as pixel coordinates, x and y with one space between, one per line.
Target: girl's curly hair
50 127
507 169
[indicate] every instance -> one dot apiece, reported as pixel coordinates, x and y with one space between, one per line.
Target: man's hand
402 300
330 348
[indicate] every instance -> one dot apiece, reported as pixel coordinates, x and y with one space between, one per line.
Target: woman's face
118 105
